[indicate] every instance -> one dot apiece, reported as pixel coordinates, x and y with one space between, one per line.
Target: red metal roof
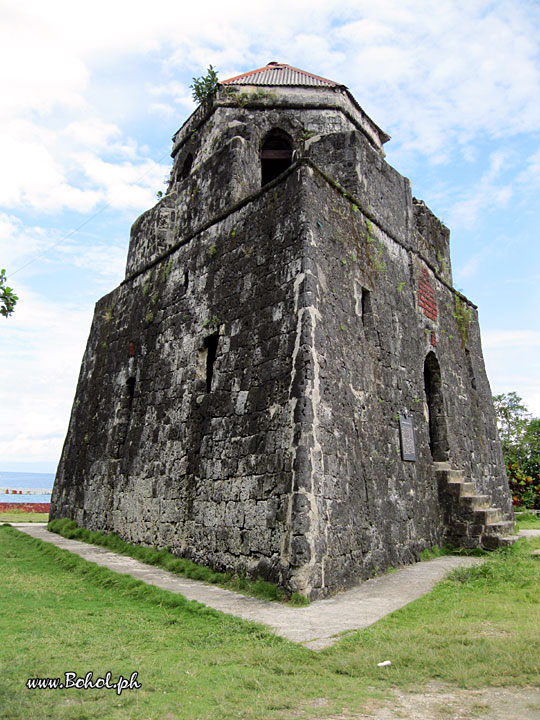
279 74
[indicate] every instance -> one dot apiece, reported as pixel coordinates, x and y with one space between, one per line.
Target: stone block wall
226 170
169 462
371 337
240 394
372 509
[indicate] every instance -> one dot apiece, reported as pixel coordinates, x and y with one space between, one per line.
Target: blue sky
93 92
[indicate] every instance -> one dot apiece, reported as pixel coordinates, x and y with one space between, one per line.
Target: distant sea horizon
25 481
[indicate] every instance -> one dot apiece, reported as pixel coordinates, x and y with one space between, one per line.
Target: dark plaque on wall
406 436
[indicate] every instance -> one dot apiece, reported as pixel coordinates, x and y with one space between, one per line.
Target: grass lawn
15 516
59 613
527 521
182 566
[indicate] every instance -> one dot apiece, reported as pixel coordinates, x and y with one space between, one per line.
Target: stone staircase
469 519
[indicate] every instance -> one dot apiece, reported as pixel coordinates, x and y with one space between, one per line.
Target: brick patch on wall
426 296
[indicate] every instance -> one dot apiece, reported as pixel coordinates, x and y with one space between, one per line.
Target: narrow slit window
368 320
367 312
470 369
276 156
211 345
130 391
124 416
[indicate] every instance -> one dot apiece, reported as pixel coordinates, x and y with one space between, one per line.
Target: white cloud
107 261
486 196
93 132
36 72
46 117
30 172
125 185
446 75
82 166
47 250
511 339
163 110
490 192
530 176
512 360
471 267
18 242
439 75
171 93
41 354
431 76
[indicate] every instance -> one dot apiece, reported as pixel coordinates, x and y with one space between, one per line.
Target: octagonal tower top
281 86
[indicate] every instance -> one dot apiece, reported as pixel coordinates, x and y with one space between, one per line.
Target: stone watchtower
286 382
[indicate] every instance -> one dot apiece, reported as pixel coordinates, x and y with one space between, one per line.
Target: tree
520 440
205 87
8 299
512 417
531 446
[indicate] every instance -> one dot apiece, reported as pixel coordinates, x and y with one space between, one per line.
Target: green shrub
205 87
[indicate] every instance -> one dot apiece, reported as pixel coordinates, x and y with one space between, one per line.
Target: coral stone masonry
286 322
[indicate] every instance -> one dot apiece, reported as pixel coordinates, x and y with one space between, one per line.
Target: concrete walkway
317 626
529 533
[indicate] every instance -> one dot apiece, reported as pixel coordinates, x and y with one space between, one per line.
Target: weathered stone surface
240 394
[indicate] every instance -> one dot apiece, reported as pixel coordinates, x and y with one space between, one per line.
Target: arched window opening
438 441
276 156
186 167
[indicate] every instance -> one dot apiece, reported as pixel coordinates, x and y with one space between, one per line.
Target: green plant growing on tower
377 258
148 283
369 232
210 321
165 271
243 98
205 87
463 316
